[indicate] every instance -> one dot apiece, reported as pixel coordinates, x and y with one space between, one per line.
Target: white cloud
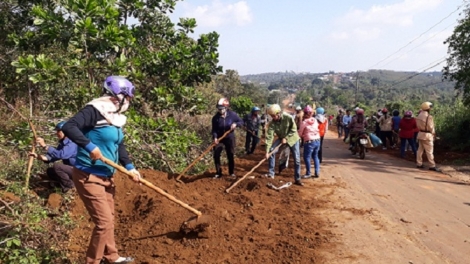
371 23
219 14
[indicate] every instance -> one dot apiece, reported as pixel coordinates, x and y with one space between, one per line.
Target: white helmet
223 103
274 109
298 108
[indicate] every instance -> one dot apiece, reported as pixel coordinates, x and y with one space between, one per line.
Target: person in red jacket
407 130
323 127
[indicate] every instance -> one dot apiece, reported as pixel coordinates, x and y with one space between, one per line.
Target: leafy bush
241 105
453 125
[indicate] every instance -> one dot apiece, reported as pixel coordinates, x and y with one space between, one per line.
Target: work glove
233 126
137 175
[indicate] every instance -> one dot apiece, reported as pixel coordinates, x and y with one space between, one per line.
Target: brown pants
428 147
97 193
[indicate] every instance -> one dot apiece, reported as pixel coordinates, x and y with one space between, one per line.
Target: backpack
322 128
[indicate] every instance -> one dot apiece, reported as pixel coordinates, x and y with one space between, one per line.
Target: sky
259 36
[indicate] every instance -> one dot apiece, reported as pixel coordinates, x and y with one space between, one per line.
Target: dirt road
387 211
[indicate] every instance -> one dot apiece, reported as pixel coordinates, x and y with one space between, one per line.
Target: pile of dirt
251 224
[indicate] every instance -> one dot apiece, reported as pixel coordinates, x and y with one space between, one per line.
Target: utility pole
357 86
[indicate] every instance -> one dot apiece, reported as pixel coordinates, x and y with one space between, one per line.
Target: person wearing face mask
66 151
223 121
284 127
97 130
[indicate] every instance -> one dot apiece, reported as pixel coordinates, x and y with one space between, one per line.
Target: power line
436 61
419 44
409 43
416 74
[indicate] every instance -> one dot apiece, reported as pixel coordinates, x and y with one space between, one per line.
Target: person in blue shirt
252 123
346 121
395 125
66 151
224 120
97 129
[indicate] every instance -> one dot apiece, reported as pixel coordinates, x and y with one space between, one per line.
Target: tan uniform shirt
426 131
385 123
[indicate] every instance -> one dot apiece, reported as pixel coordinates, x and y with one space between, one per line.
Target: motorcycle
359 145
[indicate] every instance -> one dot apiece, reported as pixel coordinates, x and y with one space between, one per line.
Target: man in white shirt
346 120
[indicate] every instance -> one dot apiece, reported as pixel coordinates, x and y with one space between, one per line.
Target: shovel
202 155
253 169
196 224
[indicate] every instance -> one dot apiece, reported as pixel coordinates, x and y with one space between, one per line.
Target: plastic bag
375 140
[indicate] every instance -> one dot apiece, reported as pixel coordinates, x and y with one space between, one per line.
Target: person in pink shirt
310 134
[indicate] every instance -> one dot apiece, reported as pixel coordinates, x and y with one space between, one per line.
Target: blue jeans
311 151
295 150
340 130
346 132
412 143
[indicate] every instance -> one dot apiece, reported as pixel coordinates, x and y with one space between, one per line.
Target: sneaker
217 176
124 260
435 169
420 166
306 176
384 148
317 175
299 183
233 175
269 176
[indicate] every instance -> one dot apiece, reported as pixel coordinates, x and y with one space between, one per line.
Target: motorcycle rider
357 126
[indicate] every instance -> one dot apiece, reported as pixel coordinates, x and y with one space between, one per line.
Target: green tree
241 105
458 68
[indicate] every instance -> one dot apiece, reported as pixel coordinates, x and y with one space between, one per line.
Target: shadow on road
453 182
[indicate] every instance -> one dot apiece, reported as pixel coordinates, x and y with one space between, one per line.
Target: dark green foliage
241 105
458 68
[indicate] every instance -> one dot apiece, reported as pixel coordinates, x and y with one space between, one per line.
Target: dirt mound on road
251 224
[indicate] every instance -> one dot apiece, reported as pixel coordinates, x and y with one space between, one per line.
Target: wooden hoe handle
254 168
202 155
33 150
151 186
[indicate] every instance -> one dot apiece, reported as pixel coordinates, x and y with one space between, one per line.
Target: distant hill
375 87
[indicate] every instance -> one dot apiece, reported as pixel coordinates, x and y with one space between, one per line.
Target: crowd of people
412 133
96 131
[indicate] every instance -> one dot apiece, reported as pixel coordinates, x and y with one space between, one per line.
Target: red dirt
251 224
54 201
